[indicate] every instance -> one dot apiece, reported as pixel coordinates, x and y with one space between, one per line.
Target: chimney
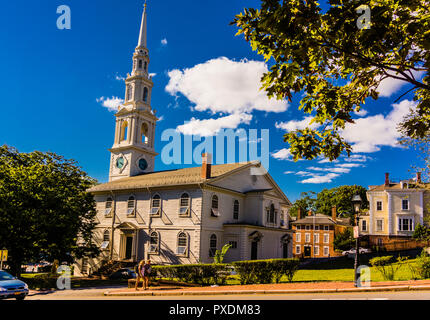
333 213
387 179
299 213
419 177
206 165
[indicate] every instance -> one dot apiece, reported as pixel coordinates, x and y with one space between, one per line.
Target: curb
250 292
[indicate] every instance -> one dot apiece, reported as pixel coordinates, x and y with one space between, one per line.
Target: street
97 294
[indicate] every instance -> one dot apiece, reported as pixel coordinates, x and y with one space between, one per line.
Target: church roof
169 178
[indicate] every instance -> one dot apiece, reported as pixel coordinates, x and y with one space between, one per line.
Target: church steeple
133 149
142 34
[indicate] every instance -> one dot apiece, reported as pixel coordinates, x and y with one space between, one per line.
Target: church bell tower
133 150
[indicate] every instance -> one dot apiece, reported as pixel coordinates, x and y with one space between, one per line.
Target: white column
390 218
421 210
133 130
371 208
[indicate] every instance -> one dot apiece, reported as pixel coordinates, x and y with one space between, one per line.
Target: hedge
204 274
43 281
265 271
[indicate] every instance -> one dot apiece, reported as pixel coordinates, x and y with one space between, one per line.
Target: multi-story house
315 233
183 215
395 208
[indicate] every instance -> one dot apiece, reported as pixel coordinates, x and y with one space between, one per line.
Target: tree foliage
338 65
341 198
306 202
44 208
344 240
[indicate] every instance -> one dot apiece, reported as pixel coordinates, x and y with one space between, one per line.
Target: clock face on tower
143 164
120 162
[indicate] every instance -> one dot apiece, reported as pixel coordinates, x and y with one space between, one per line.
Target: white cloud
164 42
357 158
283 154
210 127
316 179
304 173
389 86
325 160
224 85
119 77
349 165
371 133
288 172
361 113
160 118
296 125
335 169
152 75
111 103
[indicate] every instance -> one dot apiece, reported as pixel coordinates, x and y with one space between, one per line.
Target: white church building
182 215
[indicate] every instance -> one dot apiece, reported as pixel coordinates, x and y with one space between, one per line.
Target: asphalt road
97 294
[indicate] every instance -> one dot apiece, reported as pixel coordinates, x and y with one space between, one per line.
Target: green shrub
386 266
43 281
204 274
423 265
265 271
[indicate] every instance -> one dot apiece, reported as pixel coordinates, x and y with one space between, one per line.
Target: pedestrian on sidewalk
139 274
146 272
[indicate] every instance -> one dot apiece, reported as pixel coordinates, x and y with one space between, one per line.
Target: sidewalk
281 288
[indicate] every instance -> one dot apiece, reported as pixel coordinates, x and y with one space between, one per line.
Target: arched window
212 245
236 209
184 205
144 132
131 204
155 205
124 131
214 208
106 238
140 64
129 92
154 241
145 94
182 243
108 206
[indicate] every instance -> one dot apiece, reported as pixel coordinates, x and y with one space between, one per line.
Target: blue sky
52 80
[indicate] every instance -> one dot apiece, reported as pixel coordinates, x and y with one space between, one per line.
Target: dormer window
155 205
131 204
214 209
108 206
184 205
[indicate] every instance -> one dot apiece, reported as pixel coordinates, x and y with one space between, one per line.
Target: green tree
421 233
341 198
219 254
306 202
44 208
344 241
326 54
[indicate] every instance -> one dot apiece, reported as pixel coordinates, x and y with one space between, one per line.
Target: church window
108 206
270 214
144 131
131 205
145 94
184 205
182 243
214 208
106 239
154 241
124 131
156 204
129 92
140 64
236 209
212 245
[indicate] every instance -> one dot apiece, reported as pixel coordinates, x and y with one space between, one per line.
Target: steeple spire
142 36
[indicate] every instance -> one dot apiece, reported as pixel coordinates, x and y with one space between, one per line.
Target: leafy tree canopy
305 203
338 63
44 208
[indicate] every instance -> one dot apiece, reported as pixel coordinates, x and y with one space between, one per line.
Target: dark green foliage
305 203
44 281
423 265
204 274
421 232
344 241
265 271
44 208
386 266
341 198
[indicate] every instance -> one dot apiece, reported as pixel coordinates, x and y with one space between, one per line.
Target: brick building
315 233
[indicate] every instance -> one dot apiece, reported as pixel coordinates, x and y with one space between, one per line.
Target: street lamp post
356 203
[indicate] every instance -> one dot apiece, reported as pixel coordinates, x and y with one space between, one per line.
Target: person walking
146 271
139 275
